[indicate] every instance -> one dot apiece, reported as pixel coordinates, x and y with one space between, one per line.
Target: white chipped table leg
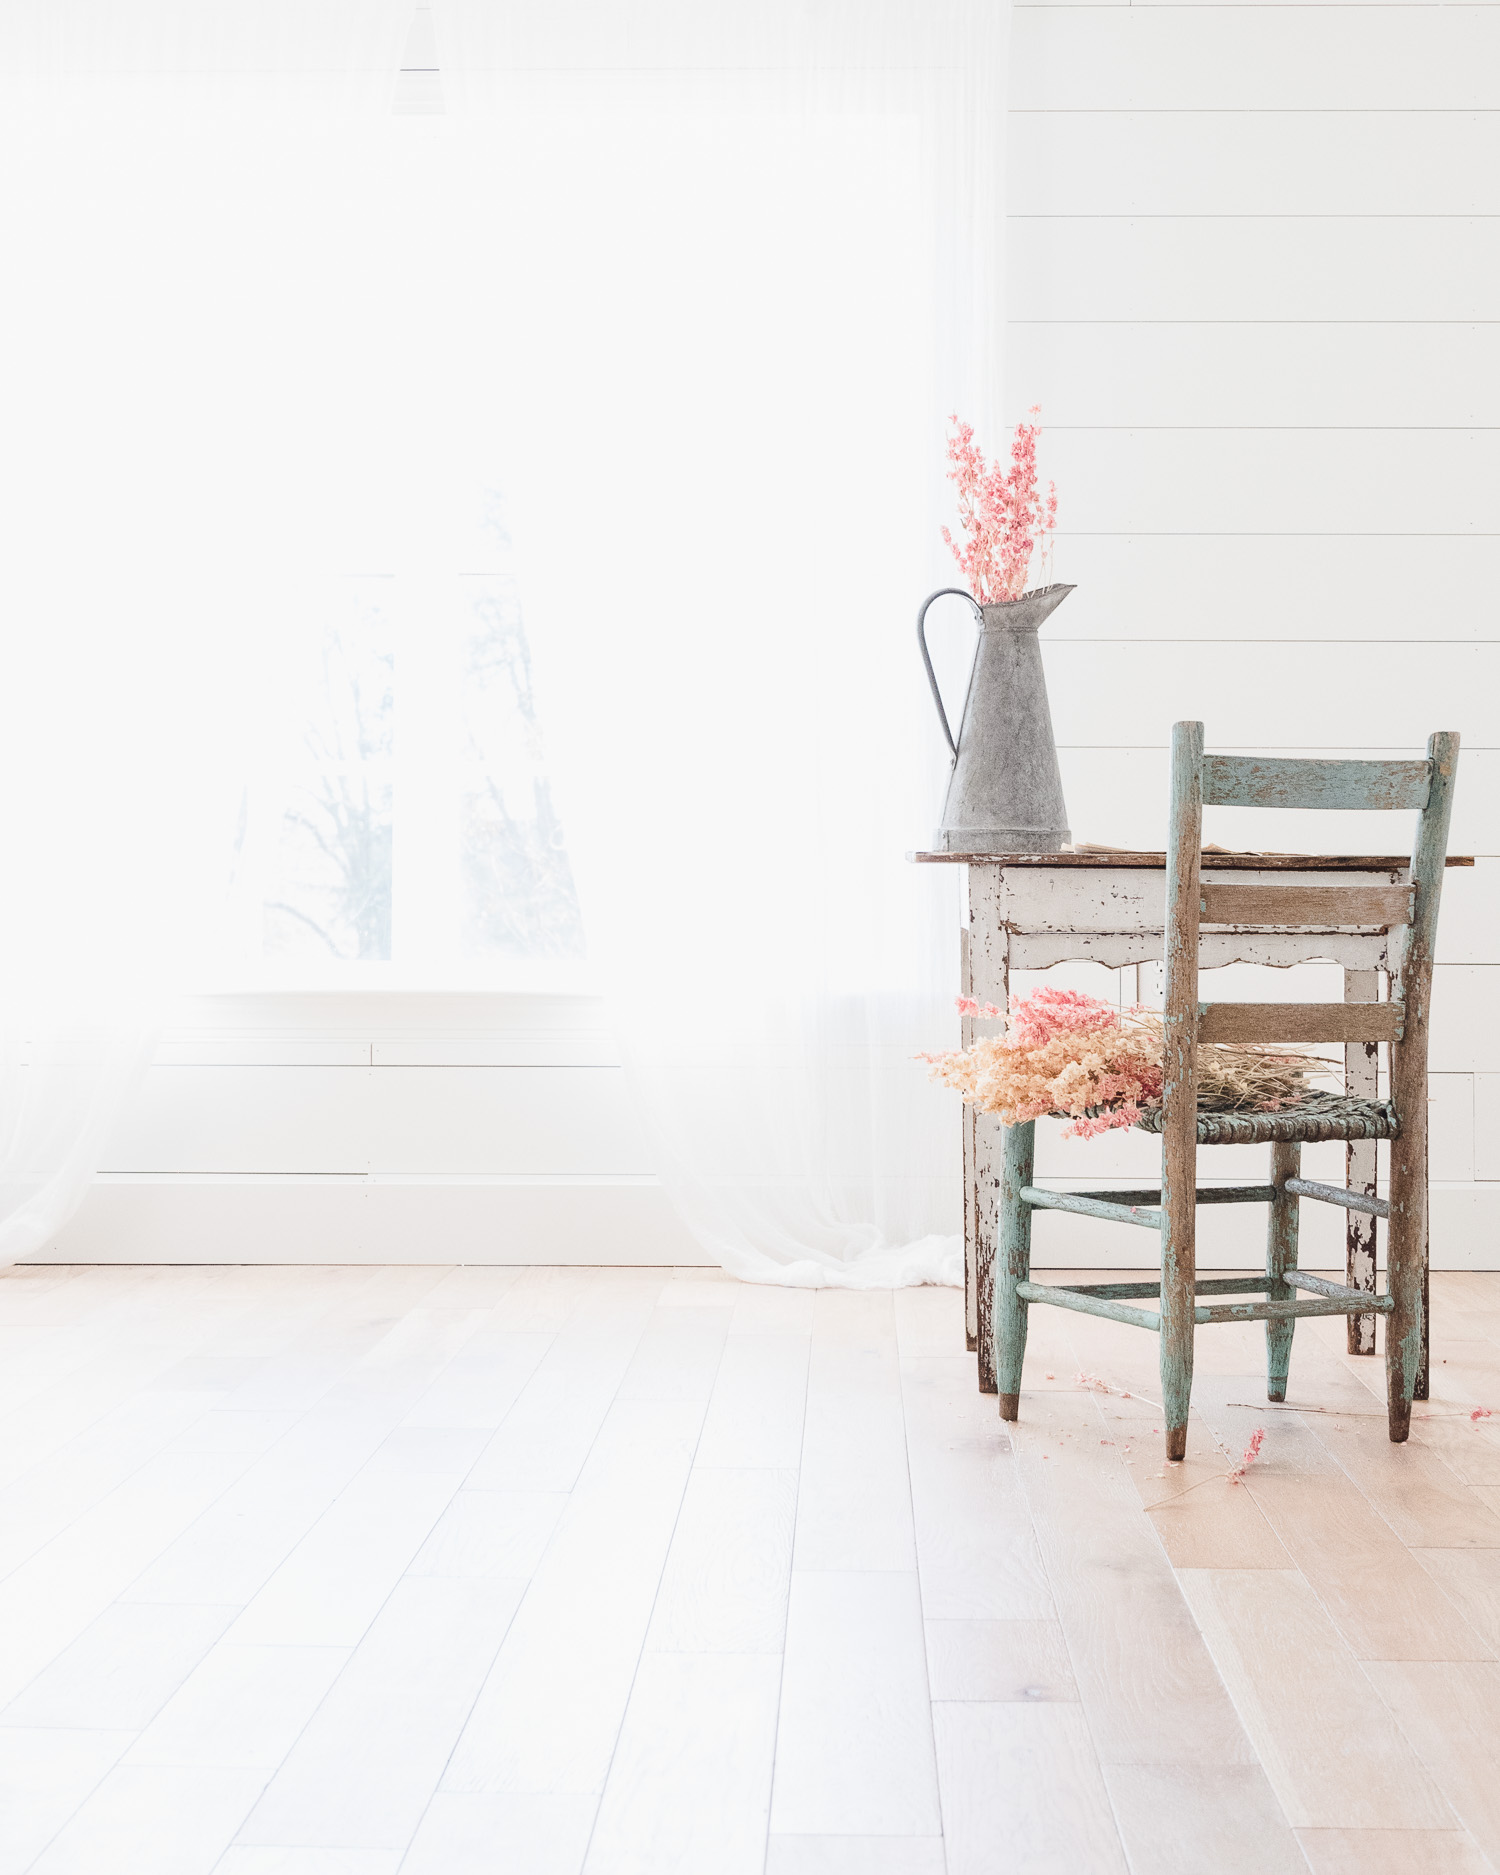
966 1040
989 981
1424 1371
1361 1082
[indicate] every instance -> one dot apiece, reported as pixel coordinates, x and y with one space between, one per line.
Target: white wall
1254 282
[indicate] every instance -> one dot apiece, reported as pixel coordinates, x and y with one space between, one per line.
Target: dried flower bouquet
1001 513
1074 1057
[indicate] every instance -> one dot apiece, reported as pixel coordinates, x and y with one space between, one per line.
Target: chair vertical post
1179 1144
1281 1256
1013 1264
1406 1235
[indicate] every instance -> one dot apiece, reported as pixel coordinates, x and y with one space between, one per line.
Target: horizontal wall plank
1290 588
400 1120
1465 1036
1236 58
1254 163
1294 376
1349 268
1274 481
1102 693
356 1015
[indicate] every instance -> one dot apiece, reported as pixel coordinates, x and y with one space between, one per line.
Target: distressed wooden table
1028 911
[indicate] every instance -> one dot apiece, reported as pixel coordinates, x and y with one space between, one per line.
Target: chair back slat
1301 1023
1292 781
1324 906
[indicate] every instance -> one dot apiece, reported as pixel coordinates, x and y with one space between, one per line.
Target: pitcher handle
943 592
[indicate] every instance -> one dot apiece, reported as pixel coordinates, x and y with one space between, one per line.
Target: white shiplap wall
1253 279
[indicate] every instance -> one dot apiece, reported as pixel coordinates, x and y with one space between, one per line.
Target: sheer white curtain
158 500
750 262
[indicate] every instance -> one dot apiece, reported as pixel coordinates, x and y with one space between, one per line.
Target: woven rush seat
1315 1117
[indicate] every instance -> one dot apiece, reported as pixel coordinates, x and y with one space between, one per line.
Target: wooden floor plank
362 1772
1383 1602
690 1784
854 1750
977 1550
855 1855
728 1572
1022 1781
1392 1852
759 1403
1185 1820
996 1661
854 1508
1146 1680
1451 1715
549 1714
483 1833
172 1821
1334 1756
46 1774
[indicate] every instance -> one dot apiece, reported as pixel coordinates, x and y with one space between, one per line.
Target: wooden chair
1410 912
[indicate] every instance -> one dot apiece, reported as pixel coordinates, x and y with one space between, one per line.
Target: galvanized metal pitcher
1005 793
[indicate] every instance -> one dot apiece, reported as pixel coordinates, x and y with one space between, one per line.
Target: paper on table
1230 852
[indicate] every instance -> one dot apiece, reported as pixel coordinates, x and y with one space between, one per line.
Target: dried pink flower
1003 516
1249 1456
1063 1053
1070 1055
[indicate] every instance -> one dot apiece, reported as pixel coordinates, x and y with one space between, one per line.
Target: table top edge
1246 862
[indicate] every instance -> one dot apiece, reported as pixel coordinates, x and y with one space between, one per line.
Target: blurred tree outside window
417 822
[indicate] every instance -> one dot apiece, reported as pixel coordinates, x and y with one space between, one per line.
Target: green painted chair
1285 1292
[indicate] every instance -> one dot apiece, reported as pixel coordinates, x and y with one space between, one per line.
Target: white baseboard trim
331 1218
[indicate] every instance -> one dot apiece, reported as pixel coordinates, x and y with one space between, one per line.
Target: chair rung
1363 1300
1291 1311
1204 1286
1205 1194
1088 1305
1301 1022
1090 1207
1337 1194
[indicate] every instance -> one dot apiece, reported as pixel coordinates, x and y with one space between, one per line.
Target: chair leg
1281 1255
1178 1268
1406 1261
1012 1265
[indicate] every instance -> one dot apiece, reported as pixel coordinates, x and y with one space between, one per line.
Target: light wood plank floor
588 1572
